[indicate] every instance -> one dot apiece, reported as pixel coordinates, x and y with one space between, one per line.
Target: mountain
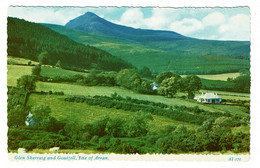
156 49
91 23
29 40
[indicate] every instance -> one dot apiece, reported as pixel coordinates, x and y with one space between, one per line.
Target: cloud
213 19
161 18
55 15
194 22
187 26
237 27
132 17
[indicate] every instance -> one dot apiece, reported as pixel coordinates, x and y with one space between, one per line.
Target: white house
208 98
29 120
154 86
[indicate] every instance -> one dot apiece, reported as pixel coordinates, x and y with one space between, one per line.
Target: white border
255 60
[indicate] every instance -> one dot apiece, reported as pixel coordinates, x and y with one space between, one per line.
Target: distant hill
91 23
156 49
28 40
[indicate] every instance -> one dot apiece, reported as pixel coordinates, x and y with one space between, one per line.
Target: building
208 98
29 120
154 86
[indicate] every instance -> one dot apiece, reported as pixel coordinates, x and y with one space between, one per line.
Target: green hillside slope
181 56
29 40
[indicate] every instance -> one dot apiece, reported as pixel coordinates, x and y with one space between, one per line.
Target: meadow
221 77
84 113
15 71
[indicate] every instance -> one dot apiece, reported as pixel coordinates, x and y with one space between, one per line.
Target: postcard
108 83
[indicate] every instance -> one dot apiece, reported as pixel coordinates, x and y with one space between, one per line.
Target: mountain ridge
181 55
91 23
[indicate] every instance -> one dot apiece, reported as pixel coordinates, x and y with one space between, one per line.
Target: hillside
158 50
29 40
190 60
91 23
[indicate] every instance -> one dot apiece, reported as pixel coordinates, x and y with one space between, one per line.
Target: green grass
54 72
16 71
73 89
84 113
17 60
221 77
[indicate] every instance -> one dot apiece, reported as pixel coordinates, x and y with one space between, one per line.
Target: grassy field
53 72
222 77
83 113
16 71
16 60
73 89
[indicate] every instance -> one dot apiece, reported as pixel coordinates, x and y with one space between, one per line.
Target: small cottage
29 119
208 98
154 86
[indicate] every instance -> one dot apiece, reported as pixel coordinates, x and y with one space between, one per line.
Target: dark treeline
36 42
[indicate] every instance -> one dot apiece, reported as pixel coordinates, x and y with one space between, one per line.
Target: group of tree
131 79
38 43
130 135
171 83
242 82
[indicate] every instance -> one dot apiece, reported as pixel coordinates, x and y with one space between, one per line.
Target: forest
38 43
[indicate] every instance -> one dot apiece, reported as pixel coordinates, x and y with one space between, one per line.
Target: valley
94 92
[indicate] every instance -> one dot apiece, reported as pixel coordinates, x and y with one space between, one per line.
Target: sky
203 23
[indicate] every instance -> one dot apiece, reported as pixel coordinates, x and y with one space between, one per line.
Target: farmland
84 114
74 89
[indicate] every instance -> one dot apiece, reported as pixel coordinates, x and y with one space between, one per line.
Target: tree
164 75
169 86
74 130
190 84
145 87
206 126
146 72
16 116
115 127
128 78
242 83
37 70
43 57
40 112
137 125
27 82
